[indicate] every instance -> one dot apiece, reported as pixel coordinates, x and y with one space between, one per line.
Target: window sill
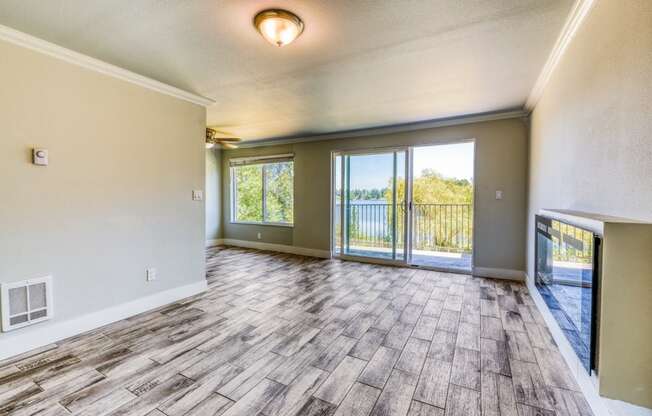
267 224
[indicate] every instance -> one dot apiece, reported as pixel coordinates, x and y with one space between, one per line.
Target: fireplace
566 276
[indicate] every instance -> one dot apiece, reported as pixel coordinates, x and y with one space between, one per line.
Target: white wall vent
26 302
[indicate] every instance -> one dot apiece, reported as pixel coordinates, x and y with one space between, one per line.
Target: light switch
499 194
40 157
197 195
151 274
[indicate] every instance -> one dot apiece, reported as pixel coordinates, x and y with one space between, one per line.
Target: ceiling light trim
391 129
39 45
283 14
577 16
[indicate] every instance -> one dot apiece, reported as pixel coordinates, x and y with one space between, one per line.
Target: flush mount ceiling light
278 27
214 137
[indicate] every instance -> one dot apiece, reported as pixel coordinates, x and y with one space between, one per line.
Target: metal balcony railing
436 227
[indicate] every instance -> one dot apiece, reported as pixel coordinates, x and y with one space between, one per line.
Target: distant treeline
429 188
368 194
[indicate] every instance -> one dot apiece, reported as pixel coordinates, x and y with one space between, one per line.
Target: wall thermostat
40 157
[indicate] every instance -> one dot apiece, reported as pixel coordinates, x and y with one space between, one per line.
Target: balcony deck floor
462 262
434 259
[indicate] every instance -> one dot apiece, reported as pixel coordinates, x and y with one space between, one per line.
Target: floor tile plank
413 355
294 396
379 367
462 402
396 397
432 387
359 401
336 386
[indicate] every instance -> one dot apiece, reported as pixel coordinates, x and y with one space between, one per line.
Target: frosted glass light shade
278 27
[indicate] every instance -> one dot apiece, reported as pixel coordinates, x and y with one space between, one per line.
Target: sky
451 160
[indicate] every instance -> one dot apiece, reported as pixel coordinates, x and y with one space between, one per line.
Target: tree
439 222
279 202
249 186
433 188
279 193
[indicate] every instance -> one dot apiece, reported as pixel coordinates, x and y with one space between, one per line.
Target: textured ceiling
359 63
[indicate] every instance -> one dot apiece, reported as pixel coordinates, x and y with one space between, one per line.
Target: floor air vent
26 303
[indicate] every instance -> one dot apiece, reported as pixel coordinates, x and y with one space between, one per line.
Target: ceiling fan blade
228 139
227 145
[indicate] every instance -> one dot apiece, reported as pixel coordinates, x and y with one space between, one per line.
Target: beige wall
116 197
591 140
625 357
501 155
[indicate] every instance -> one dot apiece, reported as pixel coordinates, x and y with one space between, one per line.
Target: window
263 190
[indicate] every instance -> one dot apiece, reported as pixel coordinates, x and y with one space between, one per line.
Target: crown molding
30 42
390 129
574 20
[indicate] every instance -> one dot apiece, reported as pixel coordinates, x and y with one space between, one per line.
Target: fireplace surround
567 278
577 254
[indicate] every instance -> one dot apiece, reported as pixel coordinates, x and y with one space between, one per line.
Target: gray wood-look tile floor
283 335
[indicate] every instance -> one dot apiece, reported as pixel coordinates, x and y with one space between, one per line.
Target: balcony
442 233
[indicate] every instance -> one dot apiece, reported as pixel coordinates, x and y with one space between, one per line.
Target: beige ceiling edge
395 128
575 19
28 41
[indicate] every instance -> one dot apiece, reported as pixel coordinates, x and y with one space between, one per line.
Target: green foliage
444 226
280 196
433 188
367 194
249 186
430 188
279 201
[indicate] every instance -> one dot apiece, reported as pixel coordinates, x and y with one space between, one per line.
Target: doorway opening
409 206
369 205
442 206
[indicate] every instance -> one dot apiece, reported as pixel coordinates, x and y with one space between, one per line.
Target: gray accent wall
501 163
212 195
116 197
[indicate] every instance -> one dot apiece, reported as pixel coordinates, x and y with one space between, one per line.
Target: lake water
370 216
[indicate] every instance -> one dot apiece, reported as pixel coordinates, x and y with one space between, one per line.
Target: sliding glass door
369 200
372 188
441 184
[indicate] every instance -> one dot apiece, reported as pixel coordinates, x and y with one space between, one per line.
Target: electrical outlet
151 274
260 236
197 195
499 194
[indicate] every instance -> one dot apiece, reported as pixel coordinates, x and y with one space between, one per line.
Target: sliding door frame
409 212
473 206
394 150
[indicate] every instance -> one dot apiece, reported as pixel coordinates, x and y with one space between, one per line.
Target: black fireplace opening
566 276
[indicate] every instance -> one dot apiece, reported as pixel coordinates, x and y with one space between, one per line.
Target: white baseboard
507 274
215 242
281 248
601 406
619 408
14 343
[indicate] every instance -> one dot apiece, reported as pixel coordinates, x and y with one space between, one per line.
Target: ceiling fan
214 137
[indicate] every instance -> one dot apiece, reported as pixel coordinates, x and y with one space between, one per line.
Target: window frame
234 189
